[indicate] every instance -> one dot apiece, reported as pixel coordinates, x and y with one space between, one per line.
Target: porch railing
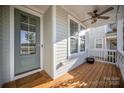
120 62
109 56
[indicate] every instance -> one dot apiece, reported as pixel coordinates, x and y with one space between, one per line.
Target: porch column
120 35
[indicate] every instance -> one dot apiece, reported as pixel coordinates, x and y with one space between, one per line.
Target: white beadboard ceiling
80 12
39 8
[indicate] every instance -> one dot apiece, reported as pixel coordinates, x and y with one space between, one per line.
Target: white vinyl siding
47 37
63 62
6 43
97 33
61 35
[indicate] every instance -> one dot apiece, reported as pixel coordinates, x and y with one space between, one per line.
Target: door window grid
28 46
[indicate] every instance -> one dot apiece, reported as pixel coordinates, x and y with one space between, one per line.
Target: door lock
42 45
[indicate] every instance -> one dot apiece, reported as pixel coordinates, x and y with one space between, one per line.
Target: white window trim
95 43
79 24
12 75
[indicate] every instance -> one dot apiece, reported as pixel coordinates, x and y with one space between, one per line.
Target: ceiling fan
95 16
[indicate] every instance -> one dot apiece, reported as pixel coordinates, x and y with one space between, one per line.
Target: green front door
27 42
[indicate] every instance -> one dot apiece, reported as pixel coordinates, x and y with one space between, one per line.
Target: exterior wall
6 43
48 48
63 63
97 33
1 45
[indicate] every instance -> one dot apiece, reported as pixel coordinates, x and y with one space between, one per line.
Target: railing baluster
113 57
120 62
109 56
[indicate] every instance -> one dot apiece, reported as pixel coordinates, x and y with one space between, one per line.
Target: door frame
12 32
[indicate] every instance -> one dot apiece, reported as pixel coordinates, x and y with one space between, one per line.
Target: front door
27 42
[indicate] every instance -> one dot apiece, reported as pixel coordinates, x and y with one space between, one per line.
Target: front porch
59 46
97 75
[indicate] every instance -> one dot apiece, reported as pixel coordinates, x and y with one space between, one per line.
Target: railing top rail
102 50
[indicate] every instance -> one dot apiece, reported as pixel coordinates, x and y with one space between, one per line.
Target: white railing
102 55
120 62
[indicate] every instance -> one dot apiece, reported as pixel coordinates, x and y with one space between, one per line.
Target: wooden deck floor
98 75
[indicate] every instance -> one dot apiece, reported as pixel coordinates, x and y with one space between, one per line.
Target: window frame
69 37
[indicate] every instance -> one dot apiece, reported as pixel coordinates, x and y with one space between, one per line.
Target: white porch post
120 35
54 39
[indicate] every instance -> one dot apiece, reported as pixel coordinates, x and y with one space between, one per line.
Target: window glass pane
81 28
82 44
82 32
99 43
32 21
83 37
24 18
74 45
73 28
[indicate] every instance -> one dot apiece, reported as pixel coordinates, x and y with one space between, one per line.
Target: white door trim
12 76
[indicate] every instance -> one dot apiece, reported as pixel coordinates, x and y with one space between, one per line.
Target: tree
30 36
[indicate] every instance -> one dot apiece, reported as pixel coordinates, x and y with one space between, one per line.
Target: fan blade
93 21
105 11
91 13
86 20
103 17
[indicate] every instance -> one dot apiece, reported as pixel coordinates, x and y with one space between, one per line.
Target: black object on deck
90 60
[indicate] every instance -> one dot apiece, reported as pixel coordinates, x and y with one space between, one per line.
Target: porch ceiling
39 8
80 12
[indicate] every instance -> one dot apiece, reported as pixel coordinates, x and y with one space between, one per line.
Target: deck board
97 75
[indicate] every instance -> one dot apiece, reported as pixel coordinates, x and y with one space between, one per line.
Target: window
77 37
73 37
99 43
82 39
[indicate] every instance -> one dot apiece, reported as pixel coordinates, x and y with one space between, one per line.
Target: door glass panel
32 21
32 28
24 27
28 37
24 18
28 42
